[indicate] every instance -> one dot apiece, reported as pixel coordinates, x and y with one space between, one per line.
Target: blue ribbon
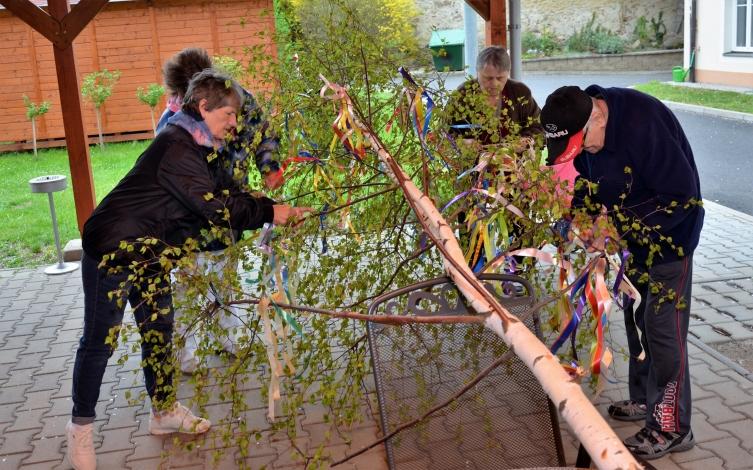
618 279
572 326
422 131
322 226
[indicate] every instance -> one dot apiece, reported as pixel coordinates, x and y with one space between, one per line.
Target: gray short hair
496 56
217 88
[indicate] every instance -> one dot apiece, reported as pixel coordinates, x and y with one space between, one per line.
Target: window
742 26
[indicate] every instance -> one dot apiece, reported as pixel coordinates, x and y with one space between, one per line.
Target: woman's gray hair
496 56
217 88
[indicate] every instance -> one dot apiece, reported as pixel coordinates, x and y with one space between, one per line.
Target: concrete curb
720 357
723 113
727 211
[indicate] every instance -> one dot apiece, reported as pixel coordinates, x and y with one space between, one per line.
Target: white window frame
732 25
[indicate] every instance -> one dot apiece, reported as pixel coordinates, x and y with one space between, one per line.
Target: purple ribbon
455 199
572 326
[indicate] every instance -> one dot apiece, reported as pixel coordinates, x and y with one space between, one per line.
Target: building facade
723 41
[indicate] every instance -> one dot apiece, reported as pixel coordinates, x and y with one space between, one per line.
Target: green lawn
729 100
25 226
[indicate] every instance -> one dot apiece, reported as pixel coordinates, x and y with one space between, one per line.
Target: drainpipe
693 32
471 38
515 41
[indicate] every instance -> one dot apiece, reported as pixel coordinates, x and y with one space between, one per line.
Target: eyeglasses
585 132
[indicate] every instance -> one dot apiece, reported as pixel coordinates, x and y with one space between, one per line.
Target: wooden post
73 122
213 29
157 52
495 25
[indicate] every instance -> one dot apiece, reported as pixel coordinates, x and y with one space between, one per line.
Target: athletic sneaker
636 439
80 451
627 410
649 444
178 419
187 358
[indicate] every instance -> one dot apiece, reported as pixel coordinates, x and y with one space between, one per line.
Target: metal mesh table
505 421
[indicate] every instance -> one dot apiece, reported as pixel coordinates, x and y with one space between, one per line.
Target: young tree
33 111
370 152
97 88
229 65
151 97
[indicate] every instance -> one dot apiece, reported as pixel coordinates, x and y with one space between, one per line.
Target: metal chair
505 421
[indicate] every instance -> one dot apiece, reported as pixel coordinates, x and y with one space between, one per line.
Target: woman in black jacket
174 190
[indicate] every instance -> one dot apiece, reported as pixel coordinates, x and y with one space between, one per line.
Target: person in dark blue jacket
638 165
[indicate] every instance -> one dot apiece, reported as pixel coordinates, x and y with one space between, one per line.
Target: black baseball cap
563 117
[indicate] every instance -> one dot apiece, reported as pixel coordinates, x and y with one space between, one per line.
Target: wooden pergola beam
481 7
496 24
61 27
73 118
80 15
59 31
35 17
494 13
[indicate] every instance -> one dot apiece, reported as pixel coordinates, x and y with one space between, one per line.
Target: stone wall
443 14
620 16
632 62
561 17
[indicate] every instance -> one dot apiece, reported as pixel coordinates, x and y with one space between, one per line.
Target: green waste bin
447 49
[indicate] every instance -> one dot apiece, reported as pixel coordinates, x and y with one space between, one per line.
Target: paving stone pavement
40 323
41 317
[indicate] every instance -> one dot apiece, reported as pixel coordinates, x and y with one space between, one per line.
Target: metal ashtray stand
50 184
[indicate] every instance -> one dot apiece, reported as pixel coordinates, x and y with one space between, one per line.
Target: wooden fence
135 37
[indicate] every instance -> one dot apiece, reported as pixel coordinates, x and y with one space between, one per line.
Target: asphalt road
723 148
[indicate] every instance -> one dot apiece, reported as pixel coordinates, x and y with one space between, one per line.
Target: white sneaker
80 451
234 333
178 419
187 355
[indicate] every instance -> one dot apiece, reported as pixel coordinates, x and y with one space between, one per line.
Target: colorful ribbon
344 126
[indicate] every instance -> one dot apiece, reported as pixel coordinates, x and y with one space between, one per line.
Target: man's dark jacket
164 196
646 157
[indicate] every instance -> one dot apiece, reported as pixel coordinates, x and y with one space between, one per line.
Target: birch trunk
605 448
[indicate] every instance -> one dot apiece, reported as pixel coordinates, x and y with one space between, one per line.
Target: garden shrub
392 21
595 38
538 44
608 44
650 34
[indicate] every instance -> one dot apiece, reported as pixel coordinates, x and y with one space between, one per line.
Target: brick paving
41 316
40 322
721 312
